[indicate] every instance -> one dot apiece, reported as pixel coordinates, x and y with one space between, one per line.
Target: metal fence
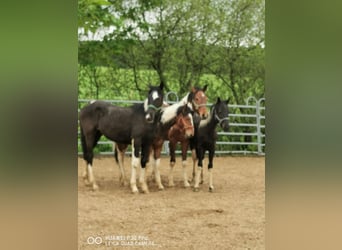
246 135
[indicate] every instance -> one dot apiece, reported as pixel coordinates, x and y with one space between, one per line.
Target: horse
195 100
134 125
180 132
205 139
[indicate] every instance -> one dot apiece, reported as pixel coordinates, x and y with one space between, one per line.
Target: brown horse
180 132
195 100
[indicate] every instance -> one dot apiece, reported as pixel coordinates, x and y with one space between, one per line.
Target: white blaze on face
148 116
191 119
155 95
145 104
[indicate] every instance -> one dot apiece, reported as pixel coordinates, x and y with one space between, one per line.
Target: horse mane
184 108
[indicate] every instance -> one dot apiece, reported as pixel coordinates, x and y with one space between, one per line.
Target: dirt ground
232 217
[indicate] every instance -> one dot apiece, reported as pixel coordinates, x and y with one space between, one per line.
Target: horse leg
134 165
199 169
145 149
90 141
185 145
150 162
202 180
172 146
194 160
120 150
210 169
157 152
85 156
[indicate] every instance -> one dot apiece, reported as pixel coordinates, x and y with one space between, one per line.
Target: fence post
258 128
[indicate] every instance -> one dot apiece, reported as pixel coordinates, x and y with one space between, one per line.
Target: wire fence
246 135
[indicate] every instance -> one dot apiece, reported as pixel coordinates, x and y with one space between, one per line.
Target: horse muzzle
225 126
149 118
189 133
203 113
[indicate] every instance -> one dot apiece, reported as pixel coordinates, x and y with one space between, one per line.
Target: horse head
221 113
198 99
154 102
185 122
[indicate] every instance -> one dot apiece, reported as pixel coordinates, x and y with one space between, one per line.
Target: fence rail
246 136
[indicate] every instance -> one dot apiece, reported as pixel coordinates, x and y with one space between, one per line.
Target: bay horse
134 125
195 100
205 139
181 131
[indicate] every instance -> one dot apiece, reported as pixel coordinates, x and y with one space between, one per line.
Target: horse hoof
95 187
186 184
145 191
211 189
201 182
171 185
196 189
161 188
134 190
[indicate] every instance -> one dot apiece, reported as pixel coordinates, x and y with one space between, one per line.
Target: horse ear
193 90
161 85
218 100
205 88
227 100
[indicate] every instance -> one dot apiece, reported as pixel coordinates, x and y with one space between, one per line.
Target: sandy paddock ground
232 217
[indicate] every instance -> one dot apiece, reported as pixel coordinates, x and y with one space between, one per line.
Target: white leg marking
171 183
202 180
211 186
91 177
157 174
197 179
134 166
185 175
142 180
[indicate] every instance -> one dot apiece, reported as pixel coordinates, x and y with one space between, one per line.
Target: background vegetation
125 45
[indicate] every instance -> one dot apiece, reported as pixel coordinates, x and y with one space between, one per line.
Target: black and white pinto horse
205 139
134 125
196 102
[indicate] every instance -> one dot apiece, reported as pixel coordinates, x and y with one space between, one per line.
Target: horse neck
210 121
170 112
